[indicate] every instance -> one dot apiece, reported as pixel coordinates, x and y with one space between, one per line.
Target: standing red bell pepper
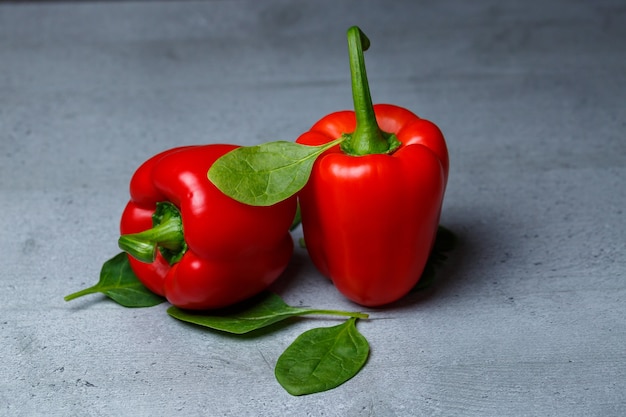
371 207
212 250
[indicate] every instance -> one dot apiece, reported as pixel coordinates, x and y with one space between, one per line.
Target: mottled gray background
528 316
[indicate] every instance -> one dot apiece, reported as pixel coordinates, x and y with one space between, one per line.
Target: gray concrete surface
528 316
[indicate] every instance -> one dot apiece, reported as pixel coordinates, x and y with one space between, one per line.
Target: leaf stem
86 291
353 314
326 146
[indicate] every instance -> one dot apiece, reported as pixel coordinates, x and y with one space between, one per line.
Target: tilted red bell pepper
371 208
212 250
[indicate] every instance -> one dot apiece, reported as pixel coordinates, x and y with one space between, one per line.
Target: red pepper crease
226 251
370 220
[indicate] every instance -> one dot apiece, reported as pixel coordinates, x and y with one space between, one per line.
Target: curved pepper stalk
367 138
166 235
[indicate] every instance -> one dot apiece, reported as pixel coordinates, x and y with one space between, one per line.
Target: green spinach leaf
119 283
322 359
265 174
269 309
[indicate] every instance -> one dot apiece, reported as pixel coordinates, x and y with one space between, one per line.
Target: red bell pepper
371 207
212 250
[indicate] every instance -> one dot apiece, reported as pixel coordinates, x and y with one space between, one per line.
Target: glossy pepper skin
370 220
231 251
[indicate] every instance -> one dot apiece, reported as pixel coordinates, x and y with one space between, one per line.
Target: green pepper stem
166 234
367 137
